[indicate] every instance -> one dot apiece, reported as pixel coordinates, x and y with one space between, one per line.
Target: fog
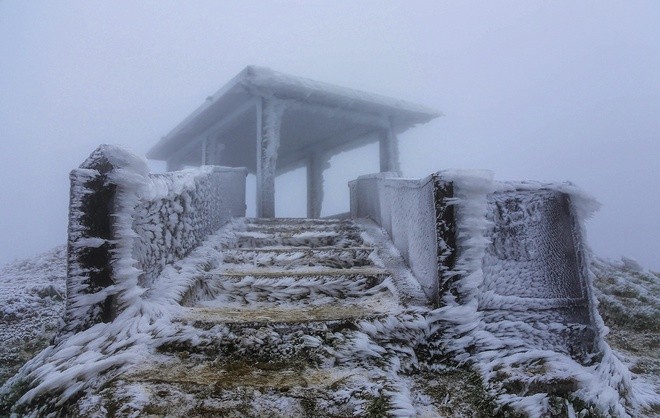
538 90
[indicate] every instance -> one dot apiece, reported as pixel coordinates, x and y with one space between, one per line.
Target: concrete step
302 288
192 387
223 336
209 313
288 227
272 333
287 258
301 227
349 274
298 221
311 239
227 375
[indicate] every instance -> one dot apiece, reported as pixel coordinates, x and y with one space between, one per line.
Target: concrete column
389 151
173 164
269 121
212 151
317 162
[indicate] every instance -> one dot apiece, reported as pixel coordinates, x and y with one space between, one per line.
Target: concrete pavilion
271 123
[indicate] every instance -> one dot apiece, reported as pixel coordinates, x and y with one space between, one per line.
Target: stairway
299 269
291 320
323 318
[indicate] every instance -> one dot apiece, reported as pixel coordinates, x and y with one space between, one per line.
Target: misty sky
540 90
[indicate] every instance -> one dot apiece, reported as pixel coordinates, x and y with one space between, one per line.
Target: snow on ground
32 295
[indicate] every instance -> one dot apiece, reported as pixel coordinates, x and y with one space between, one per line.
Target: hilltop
32 299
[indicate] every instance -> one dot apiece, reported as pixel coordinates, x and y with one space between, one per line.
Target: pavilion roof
324 111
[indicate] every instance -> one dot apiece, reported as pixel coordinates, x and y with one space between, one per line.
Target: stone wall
126 225
191 205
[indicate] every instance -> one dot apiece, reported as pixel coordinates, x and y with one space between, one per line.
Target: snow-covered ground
31 305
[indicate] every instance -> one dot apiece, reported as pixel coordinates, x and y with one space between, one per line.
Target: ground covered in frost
31 305
629 300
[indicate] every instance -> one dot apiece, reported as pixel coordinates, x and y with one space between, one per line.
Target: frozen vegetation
32 294
629 299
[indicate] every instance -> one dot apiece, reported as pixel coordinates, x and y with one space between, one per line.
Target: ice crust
298 87
532 252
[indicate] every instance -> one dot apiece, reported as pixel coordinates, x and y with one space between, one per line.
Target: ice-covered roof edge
261 81
300 88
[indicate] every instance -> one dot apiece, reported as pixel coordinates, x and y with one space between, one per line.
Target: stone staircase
300 317
304 268
323 318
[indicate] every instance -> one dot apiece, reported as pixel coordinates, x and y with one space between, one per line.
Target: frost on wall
521 259
125 225
181 209
532 270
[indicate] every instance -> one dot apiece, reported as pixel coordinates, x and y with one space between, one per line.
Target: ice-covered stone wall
183 208
126 225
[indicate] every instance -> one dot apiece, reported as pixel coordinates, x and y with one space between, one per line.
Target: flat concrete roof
317 115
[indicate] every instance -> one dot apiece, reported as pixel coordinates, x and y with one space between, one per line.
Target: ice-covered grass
82 361
629 300
32 293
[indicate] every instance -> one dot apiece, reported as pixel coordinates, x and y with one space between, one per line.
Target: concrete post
173 164
317 162
269 121
389 151
212 151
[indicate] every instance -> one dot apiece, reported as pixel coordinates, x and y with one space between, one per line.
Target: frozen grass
31 305
630 306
